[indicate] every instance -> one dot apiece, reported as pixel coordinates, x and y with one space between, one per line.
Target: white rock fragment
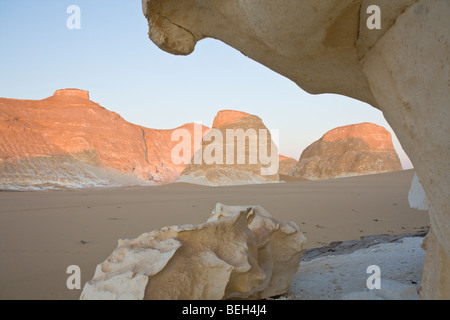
240 252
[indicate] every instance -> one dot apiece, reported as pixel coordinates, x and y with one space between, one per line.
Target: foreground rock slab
240 252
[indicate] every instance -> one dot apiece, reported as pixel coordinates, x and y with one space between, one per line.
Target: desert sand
44 232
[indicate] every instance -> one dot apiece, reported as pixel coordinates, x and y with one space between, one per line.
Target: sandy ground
42 233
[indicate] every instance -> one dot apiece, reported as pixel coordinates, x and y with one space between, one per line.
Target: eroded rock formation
231 153
68 140
240 252
326 47
286 164
416 197
358 149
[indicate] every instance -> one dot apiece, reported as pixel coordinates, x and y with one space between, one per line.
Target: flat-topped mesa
72 92
358 149
231 153
329 47
376 137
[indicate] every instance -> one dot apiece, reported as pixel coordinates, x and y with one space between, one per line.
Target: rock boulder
251 138
239 253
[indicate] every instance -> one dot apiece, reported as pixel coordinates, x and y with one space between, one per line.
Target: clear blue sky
112 57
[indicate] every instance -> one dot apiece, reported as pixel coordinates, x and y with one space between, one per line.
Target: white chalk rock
416 197
240 252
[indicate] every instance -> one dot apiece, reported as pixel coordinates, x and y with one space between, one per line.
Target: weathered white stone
240 252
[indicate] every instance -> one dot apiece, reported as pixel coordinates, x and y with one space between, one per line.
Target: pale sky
112 57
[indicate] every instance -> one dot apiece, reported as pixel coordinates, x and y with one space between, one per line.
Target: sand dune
44 232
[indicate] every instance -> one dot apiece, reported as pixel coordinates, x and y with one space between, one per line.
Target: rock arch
324 46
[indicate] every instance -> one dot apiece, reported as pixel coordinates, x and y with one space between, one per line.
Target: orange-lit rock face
234 173
326 47
69 124
347 151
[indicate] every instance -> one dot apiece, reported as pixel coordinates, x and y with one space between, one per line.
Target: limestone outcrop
69 140
327 47
358 149
84 94
241 252
237 150
286 164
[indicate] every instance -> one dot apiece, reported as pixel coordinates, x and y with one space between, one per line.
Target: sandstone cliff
68 140
224 166
357 149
